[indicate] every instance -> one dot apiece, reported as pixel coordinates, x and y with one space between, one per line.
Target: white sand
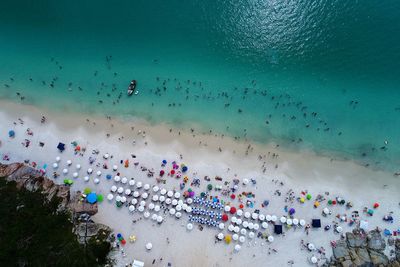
298 171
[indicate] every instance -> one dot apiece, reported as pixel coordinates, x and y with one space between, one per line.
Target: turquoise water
323 76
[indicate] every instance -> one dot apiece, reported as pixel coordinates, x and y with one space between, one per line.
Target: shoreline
296 172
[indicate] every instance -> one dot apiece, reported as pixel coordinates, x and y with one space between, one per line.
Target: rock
6 170
356 239
363 255
347 263
81 207
87 230
378 258
397 249
375 241
340 251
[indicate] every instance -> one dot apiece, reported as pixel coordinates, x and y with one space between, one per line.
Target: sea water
305 74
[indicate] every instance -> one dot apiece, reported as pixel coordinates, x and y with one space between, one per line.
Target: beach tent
278 229
137 263
61 147
316 223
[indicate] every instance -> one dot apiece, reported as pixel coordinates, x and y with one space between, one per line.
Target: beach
276 174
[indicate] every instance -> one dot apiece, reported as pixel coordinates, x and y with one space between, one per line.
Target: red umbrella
162 173
224 217
241 206
334 202
233 196
172 172
233 210
376 205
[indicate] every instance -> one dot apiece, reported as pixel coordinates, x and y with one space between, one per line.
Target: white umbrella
134 201
239 221
295 221
314 259
113 188
136 194
237 247
184 206
131 182
120 190
302 222
283 219
98 173
163 191
75 175
106 156
155 189
124 180
242 239
236 229
131 208
123 199
189 209
189 200
174 202
170 193
220 236
178 207
78 166
234 219
339 229
243 231
146 187
55 165
178 215
155 198
189 226
245 181
65 171
180 202
168 201
142 203
110 197
86 178
118 198
254 216
149 246
141 209
245 224
156 208
177 195
161 198
247 215
264 225
160 219
239 213
251 235
268 218
289 222
311 246
89 171
251 225
69 162
326 211
145 195
127 191
146 214
172 211
58 159
154 217
231 227
261 217
271 238
274 218
256 226
227 208
96 181
139 184
115 167
221 226
235 237
151 206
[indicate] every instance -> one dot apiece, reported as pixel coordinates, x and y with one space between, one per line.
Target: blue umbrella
11 133
91 198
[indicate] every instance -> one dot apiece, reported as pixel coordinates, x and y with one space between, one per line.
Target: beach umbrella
55 165
239 221
326 211
120 190
209 187
124 180
161 198
302 222
268 218
274 218
311 246
339 229
243 231
289 222
98 173
242 239
261 217
316 204
224 217
69 162
254 216
134 201
78 166
174 202
283 219
189 200
65 171
234 219
270 239
75 175
308 196
184 206
86 178
131 208
99 198
221 226
146 187
228 239
237 247
123 199
245 181
292 211
131 182
314 259
127 191
91 198
227 208
136 194
220 236
236 229
139 184
232 210
96 181
149 246
58 159
172 211
115 167
251 225
177 195
160 219
251 235
247 215
163 191
256 226
146 214
155 189
89 171
239 213
118 198
155 198
264 225
189 209
151 206
231 227
156 208
110 196
178 207
235 237
189 226
170 193
142 203
178 215
87 191
295 221
376 205
154 217
140 208
245 224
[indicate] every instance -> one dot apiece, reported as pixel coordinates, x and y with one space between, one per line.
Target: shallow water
292 69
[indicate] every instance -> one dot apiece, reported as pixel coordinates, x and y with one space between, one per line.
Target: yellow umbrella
316 204
132 238
302 200
228 239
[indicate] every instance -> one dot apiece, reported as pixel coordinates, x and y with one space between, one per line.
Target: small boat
131 87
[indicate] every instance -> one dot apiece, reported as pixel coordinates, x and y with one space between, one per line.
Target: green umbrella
330 202
308 196
209 186
87 190
100 198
